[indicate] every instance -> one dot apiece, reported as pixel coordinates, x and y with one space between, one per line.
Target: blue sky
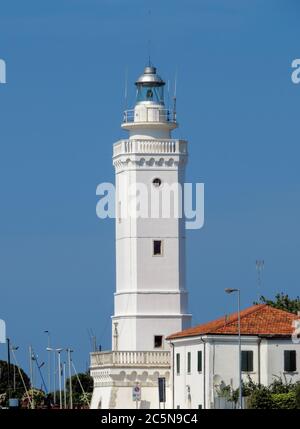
60 113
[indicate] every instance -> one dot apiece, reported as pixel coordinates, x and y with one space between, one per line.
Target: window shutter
287 363
178 363
250 361
199 361
189 362
247 360
290 360
244 361
293 360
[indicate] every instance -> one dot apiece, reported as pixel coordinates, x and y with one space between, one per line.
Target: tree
6 387
281 386
297 394
261 399
283 302
38 397
284 401
281 394
86 381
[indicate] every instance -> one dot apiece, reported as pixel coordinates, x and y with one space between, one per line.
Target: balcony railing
131 359
161 115
131 146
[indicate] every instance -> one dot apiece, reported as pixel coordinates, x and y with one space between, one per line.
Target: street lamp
14 349
229 290
50 349
69 351
58 351
64 384
49 359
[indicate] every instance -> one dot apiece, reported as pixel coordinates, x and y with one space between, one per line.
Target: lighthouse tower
150 300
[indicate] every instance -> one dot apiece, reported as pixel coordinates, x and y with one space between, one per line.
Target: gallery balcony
150 147
127 359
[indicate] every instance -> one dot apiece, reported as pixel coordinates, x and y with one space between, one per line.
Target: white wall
221 363
275 360
194 396
113 387
150 297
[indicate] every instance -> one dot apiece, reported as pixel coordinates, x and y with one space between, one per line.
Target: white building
206 357
150 298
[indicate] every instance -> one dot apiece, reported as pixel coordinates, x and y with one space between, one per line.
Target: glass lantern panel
150 93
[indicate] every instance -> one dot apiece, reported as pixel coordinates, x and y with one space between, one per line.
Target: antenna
126 87
93 339
259 263
149 40
174 97
149 53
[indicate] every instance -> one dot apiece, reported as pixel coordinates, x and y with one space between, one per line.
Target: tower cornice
146 153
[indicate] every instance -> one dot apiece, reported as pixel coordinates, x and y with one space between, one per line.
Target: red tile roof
260 319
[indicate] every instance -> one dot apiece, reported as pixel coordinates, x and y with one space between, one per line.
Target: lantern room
150 87
150 118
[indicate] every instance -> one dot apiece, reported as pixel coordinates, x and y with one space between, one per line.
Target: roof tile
261 319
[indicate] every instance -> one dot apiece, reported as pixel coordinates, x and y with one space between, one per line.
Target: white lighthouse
150 297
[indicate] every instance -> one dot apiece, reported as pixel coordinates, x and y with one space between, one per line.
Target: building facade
150 300
206 357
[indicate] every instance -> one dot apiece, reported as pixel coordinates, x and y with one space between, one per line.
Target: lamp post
69 351
229 290
31 376
49 359
14 349
8 365
58 351
59 377
64 384
50 349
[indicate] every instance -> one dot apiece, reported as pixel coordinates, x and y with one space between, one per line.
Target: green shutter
247 360
244 360
293 360
199 361
290 360
178 363
189 362
250 361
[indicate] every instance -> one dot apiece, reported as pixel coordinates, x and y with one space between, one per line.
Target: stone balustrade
150 147
159 359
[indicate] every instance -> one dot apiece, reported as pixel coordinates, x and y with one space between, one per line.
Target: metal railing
164 115
131 358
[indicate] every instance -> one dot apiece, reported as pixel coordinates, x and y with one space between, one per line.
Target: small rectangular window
189 362
290 360
177 363
199 361
157 247
247 360
158 341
